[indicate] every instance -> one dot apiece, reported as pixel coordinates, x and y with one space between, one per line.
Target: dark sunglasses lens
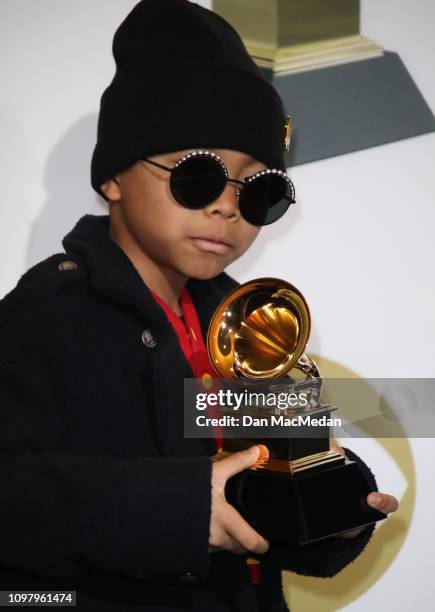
197 181
266 198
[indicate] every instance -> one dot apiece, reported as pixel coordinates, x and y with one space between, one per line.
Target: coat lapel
112 275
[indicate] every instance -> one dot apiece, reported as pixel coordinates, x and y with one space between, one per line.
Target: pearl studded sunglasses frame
200 177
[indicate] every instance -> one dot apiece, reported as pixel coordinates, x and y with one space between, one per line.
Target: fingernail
264 452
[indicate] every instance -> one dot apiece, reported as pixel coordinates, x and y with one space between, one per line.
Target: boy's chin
205 273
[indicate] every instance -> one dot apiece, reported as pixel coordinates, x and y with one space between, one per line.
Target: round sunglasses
200 177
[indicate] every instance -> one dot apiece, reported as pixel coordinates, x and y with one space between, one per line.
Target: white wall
359 244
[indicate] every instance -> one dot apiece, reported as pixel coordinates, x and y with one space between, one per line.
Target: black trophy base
290 510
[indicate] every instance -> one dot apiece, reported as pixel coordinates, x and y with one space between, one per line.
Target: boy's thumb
242 460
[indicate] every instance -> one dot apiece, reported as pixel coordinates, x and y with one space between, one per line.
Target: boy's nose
227 203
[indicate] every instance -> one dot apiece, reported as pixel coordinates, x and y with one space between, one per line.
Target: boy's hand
228 530
381 501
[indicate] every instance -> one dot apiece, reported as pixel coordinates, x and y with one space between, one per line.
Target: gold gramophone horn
260 331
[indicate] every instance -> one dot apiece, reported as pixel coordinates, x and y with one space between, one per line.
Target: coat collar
112 274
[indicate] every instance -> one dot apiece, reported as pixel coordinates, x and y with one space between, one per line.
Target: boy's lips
212 245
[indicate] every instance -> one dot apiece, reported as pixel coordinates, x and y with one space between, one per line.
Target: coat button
67 265
148 338
207 380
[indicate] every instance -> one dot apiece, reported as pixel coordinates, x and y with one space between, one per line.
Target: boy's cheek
248 240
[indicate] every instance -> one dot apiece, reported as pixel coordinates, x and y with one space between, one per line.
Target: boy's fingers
234 546
383 502
237 462
238 529
230 544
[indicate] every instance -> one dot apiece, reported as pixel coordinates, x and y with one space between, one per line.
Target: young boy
101 492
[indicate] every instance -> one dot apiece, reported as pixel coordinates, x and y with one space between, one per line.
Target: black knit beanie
183 80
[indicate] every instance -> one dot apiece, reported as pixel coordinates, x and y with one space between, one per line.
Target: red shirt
192 343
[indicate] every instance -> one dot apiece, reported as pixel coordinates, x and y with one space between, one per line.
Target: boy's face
148 222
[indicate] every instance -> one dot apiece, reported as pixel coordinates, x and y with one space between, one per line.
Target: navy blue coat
100 491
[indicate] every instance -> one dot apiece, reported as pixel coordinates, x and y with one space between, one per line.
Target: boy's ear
111 189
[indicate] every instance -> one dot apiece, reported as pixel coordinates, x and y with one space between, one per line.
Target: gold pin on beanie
183 80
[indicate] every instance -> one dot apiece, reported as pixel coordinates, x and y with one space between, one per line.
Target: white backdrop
359 243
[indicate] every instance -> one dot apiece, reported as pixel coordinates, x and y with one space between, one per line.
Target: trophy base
289 509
